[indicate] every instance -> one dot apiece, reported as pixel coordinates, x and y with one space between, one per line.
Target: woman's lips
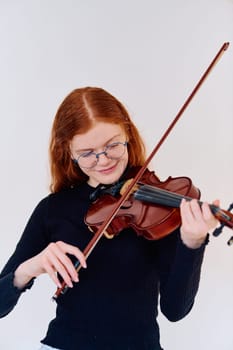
108 170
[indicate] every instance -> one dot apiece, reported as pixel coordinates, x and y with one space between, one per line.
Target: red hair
76 115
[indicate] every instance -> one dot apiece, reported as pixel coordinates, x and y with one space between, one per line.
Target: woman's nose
102 158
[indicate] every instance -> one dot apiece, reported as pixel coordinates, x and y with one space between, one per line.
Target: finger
65 260
196 210
65 265
61 263
216 202
55 263
53 275
208 215
57 255
68 248
186 212
206 211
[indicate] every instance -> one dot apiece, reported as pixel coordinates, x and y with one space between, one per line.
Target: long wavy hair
76 115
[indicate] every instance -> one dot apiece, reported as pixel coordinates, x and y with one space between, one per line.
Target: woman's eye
87 154
112 145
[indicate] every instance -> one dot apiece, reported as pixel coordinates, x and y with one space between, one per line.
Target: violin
152 208
109 214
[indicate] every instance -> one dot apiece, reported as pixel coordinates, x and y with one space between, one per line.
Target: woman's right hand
52 260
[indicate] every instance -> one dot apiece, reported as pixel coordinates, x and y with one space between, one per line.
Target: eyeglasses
114 150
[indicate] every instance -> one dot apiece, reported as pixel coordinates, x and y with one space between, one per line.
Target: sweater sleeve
32 241
180 269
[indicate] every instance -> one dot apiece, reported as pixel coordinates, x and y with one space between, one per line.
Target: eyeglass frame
97 155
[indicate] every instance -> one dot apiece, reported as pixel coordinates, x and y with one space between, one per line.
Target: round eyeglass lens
113 151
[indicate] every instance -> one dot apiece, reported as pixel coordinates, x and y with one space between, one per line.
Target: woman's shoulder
82 191
66 199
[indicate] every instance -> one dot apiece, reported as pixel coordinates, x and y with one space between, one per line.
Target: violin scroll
228 223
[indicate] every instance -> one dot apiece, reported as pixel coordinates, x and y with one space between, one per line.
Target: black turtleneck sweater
115 304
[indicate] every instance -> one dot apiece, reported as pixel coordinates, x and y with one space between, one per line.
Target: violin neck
159 196
166 198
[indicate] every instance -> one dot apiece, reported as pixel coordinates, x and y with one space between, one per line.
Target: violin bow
93 242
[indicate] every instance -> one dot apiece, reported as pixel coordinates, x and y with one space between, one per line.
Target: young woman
115 305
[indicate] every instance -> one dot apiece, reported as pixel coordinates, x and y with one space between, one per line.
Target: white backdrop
150 54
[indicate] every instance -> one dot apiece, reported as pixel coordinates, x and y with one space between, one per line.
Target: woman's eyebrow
91 149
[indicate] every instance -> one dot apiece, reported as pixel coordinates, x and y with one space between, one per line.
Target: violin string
165 197
158 199
159 196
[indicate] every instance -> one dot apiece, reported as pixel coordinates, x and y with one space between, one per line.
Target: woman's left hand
196 221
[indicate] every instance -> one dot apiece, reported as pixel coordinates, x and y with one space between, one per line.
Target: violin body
153 221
